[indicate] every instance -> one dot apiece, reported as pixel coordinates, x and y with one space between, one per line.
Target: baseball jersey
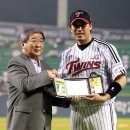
100 58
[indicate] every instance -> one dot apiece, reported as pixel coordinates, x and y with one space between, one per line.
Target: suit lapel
31 67
42 66
29 64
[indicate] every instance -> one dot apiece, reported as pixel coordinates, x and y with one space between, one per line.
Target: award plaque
78 86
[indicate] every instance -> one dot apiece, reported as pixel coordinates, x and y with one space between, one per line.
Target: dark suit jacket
29 104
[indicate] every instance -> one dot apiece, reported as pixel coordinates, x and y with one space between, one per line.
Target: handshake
53 73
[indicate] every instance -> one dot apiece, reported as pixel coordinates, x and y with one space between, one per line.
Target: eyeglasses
78 24
35 41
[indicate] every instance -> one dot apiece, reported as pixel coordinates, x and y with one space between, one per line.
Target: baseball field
63 124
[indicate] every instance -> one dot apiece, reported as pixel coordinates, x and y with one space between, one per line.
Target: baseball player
86 57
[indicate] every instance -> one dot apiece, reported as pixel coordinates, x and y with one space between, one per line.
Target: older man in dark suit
29 102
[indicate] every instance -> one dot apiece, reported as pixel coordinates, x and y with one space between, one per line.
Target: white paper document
76 87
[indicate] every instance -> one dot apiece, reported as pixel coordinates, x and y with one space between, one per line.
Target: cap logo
78 14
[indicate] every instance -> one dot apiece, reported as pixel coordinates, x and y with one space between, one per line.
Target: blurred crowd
3 83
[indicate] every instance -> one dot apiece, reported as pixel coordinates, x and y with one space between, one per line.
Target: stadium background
110 24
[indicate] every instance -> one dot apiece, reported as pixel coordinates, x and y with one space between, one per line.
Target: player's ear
91 26
70 29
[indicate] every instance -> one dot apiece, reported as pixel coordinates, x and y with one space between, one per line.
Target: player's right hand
75 98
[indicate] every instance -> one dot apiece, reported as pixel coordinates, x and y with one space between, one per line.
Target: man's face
34 46
81 31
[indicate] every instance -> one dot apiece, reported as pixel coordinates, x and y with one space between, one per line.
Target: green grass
2 123
123 124
64 123
60 124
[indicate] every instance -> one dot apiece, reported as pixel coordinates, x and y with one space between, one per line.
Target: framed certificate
77 86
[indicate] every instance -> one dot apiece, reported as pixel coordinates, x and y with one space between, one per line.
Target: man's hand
52 73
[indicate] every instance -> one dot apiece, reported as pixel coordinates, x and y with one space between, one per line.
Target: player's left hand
96 98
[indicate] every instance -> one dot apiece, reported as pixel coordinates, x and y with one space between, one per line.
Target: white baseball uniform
103 59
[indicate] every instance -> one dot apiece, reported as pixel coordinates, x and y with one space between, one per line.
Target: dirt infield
65 125
2 123
123 125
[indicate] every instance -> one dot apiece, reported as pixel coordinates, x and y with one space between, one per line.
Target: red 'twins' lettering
76 67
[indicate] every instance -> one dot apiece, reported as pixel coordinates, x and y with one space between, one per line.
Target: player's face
34 46
81 31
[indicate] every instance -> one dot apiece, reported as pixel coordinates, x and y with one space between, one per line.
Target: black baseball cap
80 14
